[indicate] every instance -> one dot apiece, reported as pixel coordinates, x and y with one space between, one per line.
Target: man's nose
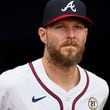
71 34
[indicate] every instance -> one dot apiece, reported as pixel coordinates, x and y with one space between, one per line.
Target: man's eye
78 27
60 27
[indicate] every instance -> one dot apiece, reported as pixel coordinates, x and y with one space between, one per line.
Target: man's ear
86 33
42 35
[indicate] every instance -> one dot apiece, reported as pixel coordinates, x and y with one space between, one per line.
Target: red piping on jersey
53 94
82 93
43 85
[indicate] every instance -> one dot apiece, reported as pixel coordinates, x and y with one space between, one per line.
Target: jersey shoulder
15 75
96 79
97 83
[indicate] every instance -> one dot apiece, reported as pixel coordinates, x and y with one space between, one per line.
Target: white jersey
28 87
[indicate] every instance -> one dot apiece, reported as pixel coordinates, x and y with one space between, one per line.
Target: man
56 81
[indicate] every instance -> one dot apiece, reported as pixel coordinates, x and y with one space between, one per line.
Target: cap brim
87 22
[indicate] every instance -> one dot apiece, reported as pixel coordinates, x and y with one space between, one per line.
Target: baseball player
56 81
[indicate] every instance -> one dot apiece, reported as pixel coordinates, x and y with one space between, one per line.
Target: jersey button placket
68 99
67 103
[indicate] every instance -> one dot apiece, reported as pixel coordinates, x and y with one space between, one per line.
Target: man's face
66 41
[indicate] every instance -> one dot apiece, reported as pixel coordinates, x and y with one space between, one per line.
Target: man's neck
67 78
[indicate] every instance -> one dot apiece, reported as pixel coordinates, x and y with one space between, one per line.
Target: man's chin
68 53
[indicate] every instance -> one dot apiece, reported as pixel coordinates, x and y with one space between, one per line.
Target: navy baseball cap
59 9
